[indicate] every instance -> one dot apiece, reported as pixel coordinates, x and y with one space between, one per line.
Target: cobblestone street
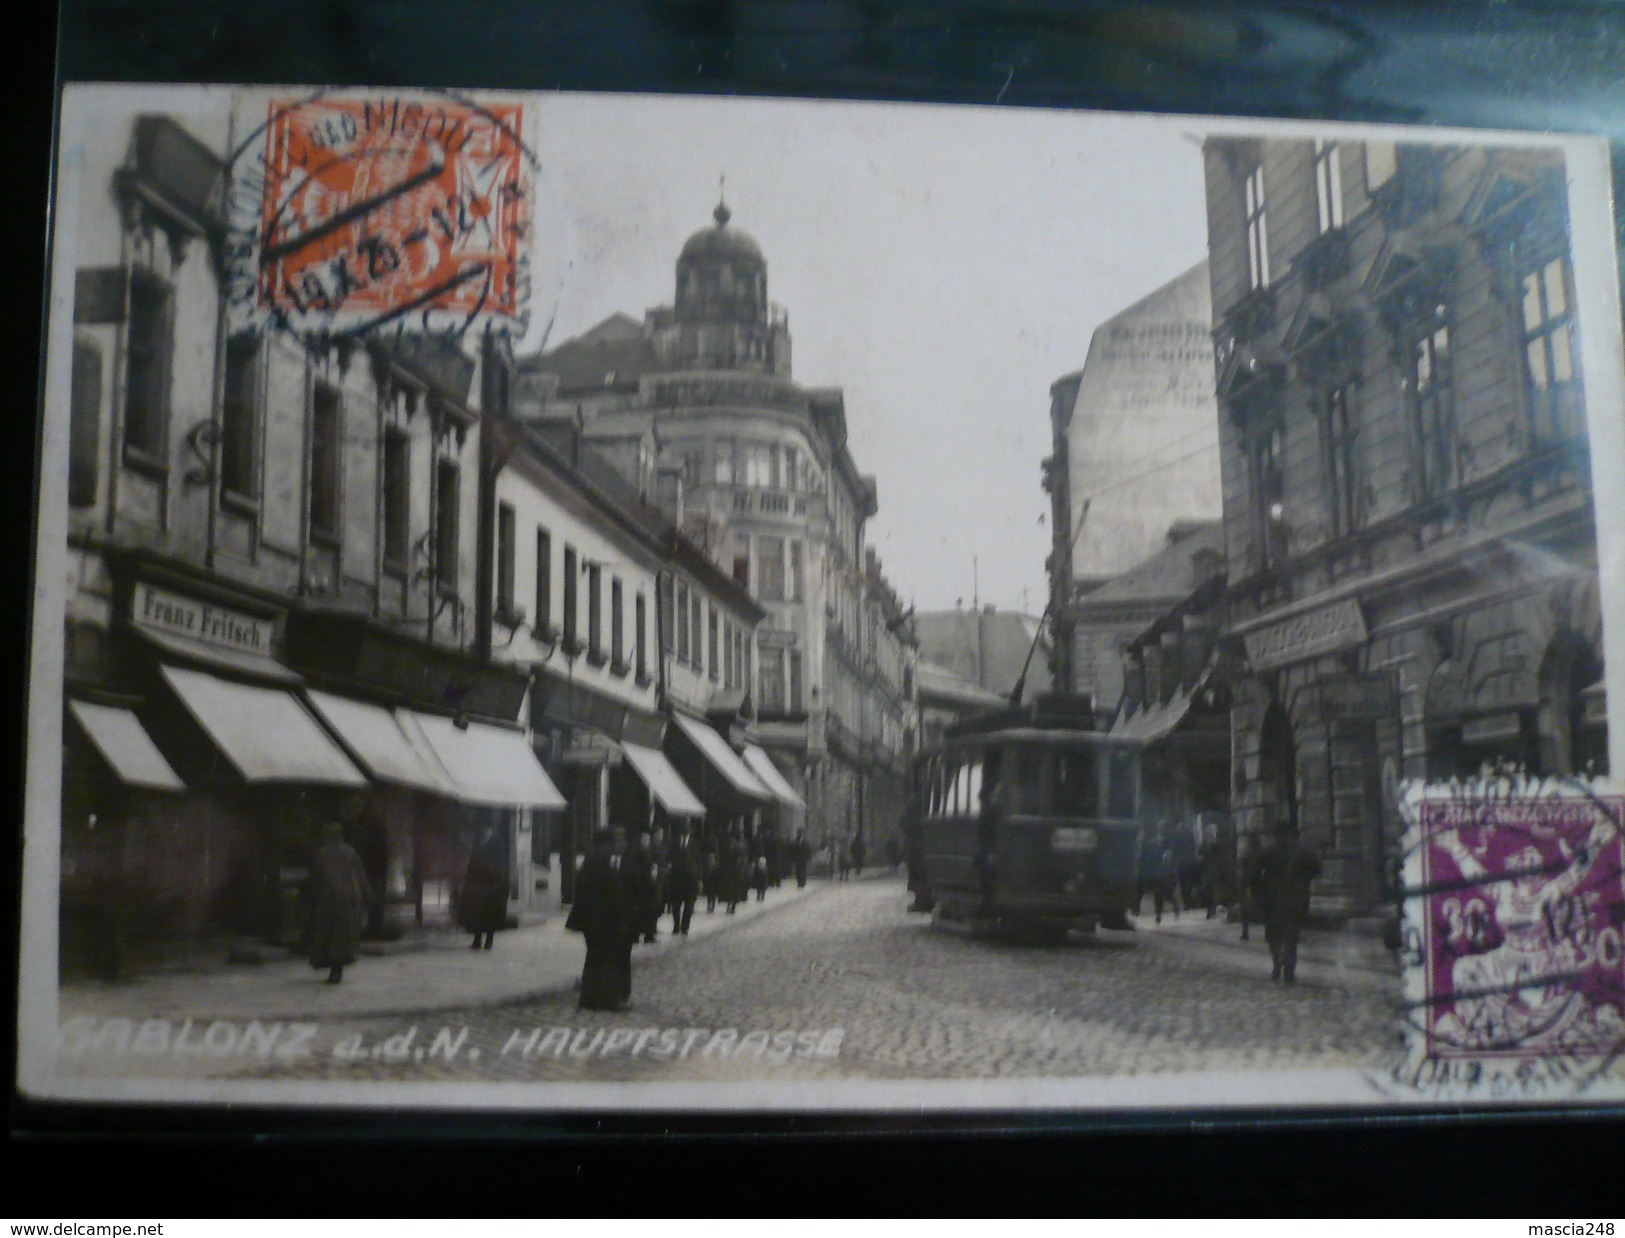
845 984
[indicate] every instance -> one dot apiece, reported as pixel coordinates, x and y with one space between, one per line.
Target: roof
938 682
722 242
559 440
617 350
1166 576
989 645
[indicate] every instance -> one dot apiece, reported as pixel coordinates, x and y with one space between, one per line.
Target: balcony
783 504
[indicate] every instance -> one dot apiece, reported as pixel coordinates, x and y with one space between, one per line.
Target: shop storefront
1441 673
436 731
194 778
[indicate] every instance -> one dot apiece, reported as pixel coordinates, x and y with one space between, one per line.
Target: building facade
1135 451
695 406
267 537
620 623
1407 491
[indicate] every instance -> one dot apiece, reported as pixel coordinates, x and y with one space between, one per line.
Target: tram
1028 821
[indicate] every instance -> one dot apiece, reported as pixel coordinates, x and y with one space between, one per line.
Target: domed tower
722 318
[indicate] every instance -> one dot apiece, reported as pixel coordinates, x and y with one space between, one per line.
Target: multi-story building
1135 451
622 626
1107 620
695 405
271 551
1407 492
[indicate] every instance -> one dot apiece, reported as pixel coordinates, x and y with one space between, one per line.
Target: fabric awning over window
1156 721
723 759
762 766
664 782
264 732
126 747
486 764
375 738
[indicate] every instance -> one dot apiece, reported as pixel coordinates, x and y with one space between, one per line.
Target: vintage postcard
609 602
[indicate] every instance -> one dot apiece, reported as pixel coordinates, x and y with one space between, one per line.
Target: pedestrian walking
605 913
731 871
643 880
1213 881
774 850
801 857
1285 871
683 867
1165 876
482 904
759 878
1249 896
1188 862
339 899
842 855
709 872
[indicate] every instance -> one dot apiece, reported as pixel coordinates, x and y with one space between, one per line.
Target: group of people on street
622 889
1182 867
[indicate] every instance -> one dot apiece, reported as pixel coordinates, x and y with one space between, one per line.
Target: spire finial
722 214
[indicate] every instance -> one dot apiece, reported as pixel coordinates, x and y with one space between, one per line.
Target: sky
942 265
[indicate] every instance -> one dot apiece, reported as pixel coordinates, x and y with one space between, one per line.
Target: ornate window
1340 433
327 463
1258 250
148 347
239 419
447 539
506 548
1269 497
1551 372
1328 186
1433 411
542 622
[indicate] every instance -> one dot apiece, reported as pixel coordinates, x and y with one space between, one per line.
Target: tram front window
1076 783
1026 796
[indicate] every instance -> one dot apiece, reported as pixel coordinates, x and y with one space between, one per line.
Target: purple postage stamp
1514 922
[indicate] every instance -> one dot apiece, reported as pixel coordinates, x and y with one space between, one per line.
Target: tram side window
1122 785
973 788
1077 783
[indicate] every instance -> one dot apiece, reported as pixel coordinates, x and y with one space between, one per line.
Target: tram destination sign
1317 632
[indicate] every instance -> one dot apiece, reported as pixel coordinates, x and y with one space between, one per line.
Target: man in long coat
1285 870
605 913
684 865
482 907
643 876
800 857
339 898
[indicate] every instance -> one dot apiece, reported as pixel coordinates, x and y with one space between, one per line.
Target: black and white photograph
569 601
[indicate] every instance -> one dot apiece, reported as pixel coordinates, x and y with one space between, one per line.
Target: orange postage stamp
384 208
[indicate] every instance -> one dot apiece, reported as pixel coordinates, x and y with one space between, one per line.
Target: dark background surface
1501 64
